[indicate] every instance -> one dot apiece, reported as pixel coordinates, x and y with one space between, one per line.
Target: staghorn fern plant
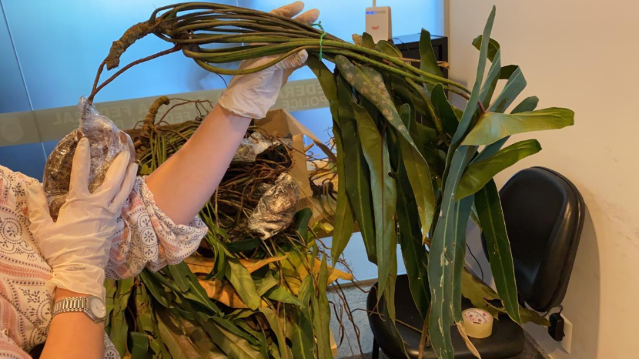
412 170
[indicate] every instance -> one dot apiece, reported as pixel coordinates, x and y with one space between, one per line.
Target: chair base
507 340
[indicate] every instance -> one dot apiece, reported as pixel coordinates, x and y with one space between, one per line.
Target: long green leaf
274 322
322 314
428 61
419 176
233 328
492 78
344 220
444 110
232 345
306 290
404 92
528 104
389 292
492 127
482 296
111 286
388 48
344 214
493 47
413 251
119 326
480 173
370 84
280 294
263 285
143 309
181 272
179 276
493 227
243 284
201 339
479 293
326 80
367 41
515 85
446 258
383 189
356 171
146 320
245 245
140 345
301 219
191 313
302 336
179 345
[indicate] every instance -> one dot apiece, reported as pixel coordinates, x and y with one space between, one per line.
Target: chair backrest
544 214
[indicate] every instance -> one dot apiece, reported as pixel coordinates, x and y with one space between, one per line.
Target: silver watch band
74 304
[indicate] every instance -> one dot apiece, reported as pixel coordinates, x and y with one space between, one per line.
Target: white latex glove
76 246
253 95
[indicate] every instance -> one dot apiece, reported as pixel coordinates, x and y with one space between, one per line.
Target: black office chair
544 214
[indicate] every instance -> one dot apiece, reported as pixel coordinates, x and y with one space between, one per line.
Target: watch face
97 307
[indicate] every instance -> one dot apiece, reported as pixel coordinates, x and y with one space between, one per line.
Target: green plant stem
110 79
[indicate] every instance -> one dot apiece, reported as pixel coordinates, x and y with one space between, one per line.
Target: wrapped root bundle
106 142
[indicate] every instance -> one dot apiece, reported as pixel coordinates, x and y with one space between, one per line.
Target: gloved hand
254 94
76 246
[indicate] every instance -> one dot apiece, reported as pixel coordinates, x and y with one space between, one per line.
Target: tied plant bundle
413 169
239 296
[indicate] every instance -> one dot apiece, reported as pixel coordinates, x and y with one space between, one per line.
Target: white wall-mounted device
378 22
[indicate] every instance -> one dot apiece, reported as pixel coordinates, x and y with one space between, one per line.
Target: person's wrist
239 106
61 293
85 279
232 114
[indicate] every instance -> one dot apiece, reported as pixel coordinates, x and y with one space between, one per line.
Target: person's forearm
185 182
73 335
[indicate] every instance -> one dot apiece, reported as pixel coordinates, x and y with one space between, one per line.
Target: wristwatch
91 306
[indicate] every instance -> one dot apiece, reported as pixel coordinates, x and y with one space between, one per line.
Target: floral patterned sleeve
10 350
146 237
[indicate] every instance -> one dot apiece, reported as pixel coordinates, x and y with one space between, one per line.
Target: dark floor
349 348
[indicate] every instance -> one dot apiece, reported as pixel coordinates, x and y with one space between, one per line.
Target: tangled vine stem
190 26
115 75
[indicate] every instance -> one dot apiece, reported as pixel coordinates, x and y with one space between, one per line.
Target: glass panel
28 159
13 96
61 44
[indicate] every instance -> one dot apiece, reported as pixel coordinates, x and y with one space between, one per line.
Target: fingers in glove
289 10
125 189
114 177
309 17
293 62
38 208
79 184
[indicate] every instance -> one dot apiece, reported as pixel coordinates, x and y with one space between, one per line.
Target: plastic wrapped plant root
276 208
106 142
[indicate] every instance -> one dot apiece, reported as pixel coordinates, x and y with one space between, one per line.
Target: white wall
581 55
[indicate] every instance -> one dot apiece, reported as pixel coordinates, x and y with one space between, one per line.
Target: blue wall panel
28 159
13 95
61 43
